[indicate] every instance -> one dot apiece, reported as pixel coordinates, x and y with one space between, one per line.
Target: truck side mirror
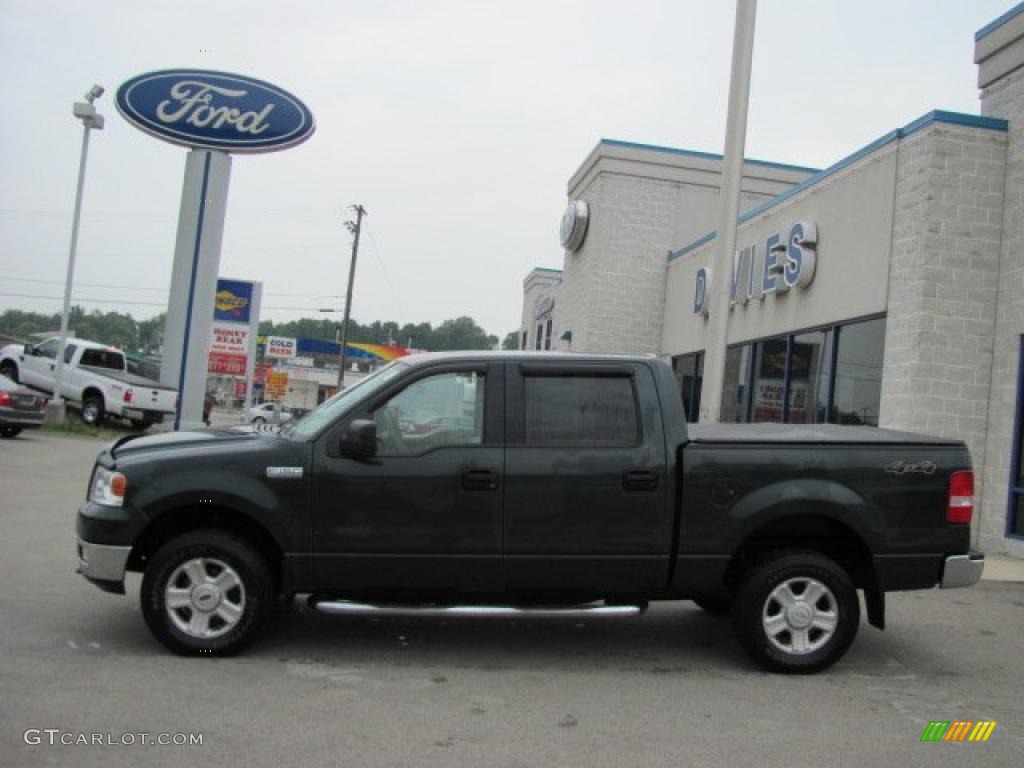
359 440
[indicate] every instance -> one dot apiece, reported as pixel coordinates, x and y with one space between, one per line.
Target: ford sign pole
217 115
86 112
732 178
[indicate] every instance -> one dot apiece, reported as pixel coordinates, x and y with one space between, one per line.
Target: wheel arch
822 530
175 522
91 390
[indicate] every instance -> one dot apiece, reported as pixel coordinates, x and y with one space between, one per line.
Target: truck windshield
329 410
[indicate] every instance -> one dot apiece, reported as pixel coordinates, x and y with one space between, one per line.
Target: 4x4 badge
904 467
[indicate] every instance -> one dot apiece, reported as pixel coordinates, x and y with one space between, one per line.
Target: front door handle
640 480
480 480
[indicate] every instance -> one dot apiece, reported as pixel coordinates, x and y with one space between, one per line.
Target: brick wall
1005 98
943 283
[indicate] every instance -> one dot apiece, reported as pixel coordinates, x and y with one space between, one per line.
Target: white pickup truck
96 379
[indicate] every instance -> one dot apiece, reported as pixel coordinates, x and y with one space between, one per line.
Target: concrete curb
1003 568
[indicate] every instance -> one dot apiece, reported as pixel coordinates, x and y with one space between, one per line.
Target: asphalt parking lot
669 689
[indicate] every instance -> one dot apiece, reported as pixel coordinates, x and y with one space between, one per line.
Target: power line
85 300
387 275
143 288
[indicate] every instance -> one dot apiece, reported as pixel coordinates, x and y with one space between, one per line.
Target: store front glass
1015 522
828 375
690 374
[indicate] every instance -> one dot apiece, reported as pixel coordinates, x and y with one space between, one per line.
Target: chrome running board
584 611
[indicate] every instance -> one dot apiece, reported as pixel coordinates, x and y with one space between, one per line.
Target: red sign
240 389
230 365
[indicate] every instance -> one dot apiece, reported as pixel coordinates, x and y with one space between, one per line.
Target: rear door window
581 410
103 358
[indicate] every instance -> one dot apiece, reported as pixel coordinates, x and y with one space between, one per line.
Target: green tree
511 341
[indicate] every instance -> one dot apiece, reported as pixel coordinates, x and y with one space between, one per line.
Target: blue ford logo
214 110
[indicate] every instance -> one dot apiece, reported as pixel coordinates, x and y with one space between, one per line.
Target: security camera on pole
86 112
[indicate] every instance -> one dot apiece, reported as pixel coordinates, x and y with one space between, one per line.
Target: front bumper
103 565
105 536
962 570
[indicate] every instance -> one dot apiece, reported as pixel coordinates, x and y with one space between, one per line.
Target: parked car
96 380
579 491
20 408
267 413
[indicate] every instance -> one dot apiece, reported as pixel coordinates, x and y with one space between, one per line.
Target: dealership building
886 289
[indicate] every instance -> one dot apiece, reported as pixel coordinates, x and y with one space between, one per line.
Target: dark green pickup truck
518 484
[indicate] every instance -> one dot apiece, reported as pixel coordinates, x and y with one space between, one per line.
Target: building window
736 384
830 375
810 378
858 376
525 340
690 375
1015 520
769 391
547 333
538 342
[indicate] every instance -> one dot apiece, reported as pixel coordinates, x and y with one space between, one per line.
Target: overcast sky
457 125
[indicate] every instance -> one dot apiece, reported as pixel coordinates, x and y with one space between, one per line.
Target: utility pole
354 228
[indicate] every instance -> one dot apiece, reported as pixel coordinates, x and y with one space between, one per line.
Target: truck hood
198 438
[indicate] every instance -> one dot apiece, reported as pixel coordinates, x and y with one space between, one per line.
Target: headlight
108 487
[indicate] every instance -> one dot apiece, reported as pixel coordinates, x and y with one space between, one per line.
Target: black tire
755 605
259 420
10 431
139 425
255 593
10 370
715 605
93 411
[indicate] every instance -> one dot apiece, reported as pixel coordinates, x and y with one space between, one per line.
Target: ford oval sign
214 110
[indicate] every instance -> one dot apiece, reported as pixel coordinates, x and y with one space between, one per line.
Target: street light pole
354 228
725 241
86 112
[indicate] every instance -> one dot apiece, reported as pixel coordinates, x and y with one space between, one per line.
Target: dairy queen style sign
214 110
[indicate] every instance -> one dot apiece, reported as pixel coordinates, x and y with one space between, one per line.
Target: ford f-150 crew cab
96 379
519 484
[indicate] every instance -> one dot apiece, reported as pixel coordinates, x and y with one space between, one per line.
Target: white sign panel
281 347
230 339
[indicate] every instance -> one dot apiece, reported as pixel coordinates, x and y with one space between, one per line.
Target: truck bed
807 434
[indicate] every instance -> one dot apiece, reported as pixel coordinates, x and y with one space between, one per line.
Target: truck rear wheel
796 613
92 410
206 592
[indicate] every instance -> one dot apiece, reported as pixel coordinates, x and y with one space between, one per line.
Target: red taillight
961 498
5 399
127 395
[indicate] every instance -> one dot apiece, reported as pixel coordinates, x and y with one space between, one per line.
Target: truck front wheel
796 613
206 592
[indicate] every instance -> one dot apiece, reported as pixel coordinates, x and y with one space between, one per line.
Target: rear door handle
640 480
480 480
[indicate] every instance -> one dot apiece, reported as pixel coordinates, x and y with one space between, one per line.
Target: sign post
216 114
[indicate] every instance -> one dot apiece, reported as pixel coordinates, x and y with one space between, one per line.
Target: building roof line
935 116
703 155
992 26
